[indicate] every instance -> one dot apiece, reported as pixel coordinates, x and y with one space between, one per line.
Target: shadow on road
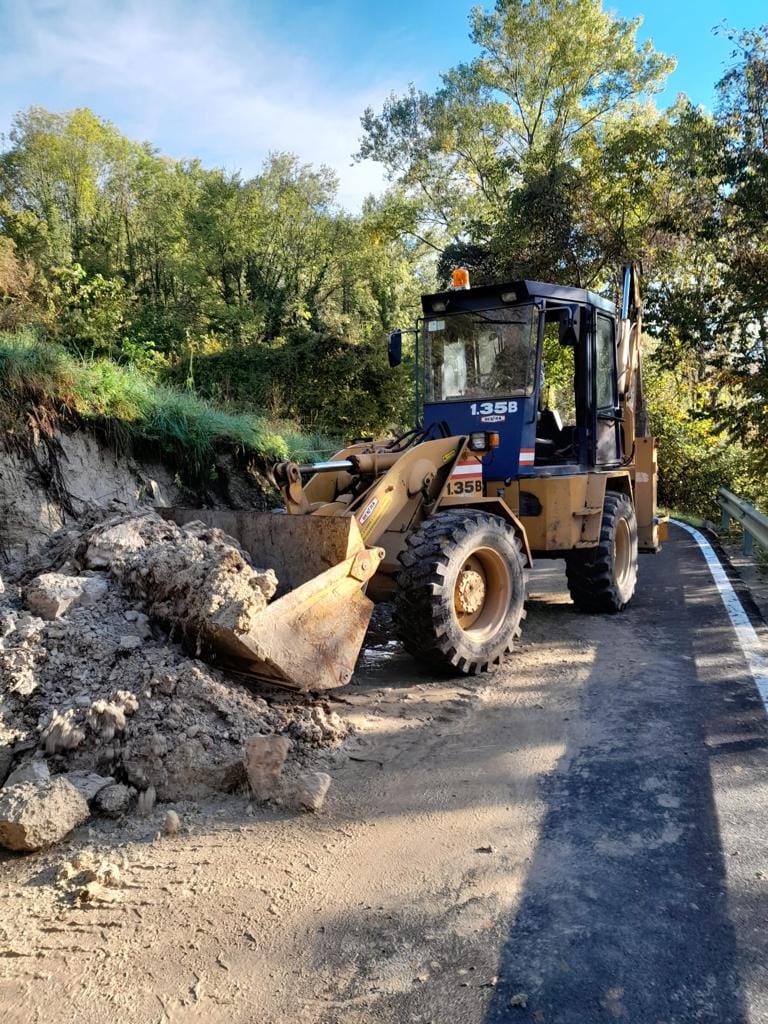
625 913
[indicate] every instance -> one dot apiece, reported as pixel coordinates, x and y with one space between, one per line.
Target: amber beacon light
460 278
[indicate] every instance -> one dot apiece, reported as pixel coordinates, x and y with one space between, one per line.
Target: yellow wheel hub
470 591
481 594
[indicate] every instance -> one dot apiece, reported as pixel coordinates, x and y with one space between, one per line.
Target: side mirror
569 337
395 348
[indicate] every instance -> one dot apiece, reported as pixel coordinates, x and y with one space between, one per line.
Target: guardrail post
746 542
725 520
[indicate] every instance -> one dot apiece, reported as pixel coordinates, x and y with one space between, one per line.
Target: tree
506 159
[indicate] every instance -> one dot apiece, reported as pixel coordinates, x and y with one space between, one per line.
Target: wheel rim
481 594
622 553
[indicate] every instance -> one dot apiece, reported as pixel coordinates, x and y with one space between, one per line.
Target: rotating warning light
460 278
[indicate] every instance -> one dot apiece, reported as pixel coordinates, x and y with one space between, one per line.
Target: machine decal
466 478
493 408
368 511
372 512
493 419
527 456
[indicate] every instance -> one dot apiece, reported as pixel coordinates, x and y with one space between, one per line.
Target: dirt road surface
579 840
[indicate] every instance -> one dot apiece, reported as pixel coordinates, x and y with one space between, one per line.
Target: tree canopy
544 156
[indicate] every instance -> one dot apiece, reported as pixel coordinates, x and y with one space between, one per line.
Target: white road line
748 639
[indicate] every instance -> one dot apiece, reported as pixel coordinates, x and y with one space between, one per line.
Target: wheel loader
444 520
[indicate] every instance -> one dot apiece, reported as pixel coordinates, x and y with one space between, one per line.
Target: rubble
107 689
194 577
52 594
310 790
172 823
115 800
264 760
34 815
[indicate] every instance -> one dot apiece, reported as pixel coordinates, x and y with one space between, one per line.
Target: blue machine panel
514 419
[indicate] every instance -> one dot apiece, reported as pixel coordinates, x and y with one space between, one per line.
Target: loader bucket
309 636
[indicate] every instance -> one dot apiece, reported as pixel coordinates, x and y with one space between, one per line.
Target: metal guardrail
753 523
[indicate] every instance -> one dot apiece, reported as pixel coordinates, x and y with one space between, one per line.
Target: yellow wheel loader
444 520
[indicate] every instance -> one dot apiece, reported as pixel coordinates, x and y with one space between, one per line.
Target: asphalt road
646 897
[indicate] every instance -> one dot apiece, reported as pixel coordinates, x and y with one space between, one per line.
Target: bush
696 459
340 387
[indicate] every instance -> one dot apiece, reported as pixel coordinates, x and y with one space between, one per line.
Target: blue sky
230 80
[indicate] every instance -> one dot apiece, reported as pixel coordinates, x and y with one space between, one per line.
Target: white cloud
194 79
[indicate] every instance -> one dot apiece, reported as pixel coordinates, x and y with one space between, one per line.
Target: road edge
746 634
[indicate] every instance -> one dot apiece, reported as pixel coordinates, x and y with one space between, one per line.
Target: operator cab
534 363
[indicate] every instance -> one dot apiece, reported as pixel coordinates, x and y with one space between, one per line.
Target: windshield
479 354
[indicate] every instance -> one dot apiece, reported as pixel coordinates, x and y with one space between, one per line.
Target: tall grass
178 426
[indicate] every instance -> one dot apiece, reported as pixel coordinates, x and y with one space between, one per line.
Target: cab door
606 418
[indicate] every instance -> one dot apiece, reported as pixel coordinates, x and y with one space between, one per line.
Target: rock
88 783
113 801
130 642
310 790
109 874
31 771
62 732
146 801
114 543
34 815
83 860
519 1000
264 760
172 823
6 758
53 594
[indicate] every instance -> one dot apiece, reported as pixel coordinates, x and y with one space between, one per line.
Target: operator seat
553 441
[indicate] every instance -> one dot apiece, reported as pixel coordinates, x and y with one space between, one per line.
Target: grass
182 428
685 517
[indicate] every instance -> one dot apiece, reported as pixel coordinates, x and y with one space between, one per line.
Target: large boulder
34 815
264 759
51 595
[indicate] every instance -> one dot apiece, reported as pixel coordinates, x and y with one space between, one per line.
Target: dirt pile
193 578
91 680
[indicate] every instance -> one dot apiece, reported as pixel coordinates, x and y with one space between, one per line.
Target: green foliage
542 157
696 458
186 430
259 291
525 152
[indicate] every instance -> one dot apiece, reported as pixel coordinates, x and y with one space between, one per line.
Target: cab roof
480 297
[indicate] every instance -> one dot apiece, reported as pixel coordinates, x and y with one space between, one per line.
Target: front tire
460 592
603 578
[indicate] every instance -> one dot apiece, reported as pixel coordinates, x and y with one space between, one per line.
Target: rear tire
460 592
603 578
